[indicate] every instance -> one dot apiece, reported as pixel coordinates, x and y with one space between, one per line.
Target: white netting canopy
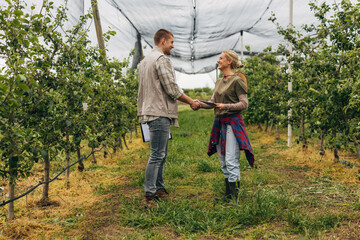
202 28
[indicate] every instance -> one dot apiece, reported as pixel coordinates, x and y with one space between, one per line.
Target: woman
228 134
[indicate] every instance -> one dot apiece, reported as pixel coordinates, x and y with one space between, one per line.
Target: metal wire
41 182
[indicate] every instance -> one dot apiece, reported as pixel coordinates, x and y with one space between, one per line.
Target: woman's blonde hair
235 64
244 78
232 55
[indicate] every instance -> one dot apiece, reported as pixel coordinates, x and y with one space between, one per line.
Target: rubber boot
234 190
227 188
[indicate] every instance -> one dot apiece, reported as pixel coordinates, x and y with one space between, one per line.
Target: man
157 106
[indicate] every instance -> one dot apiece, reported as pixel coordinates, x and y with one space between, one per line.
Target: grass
290 194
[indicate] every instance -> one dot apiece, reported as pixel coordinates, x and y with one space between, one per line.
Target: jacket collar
157 49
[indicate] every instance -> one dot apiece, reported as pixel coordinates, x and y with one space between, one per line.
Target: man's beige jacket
152 98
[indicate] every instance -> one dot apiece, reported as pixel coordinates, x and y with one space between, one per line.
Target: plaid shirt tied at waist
238 126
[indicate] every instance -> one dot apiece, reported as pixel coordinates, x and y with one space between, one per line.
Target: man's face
168 44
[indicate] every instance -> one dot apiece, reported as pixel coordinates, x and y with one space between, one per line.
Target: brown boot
150 201
162 193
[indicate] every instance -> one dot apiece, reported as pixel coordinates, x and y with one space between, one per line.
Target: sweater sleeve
241 105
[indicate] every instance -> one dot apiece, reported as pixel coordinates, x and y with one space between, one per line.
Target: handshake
195 105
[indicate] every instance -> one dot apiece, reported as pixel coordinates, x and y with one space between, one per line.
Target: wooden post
290 88
98 28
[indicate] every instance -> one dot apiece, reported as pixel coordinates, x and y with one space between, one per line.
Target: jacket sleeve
166 75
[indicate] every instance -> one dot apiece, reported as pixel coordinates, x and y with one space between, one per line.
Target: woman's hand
220 106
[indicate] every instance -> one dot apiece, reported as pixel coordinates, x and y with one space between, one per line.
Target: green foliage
49 73
199 93
326 73
19 41
267 89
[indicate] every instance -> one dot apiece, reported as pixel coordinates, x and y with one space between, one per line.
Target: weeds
306 224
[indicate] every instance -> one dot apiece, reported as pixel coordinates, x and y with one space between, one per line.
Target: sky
191 81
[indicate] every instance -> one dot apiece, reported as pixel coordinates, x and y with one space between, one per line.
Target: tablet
211 104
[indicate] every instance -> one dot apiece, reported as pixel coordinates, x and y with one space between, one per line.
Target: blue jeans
159 136
230 161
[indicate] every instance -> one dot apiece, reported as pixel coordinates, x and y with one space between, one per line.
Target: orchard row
56 92
325 74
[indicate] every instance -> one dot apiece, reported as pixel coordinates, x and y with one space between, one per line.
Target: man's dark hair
162 33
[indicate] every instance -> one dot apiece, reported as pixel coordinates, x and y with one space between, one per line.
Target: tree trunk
117 142
336 156
136 132
67 157
277 132
322 150
356 143
271 126
45 194
260 127
81 166
302 125
93 156
123 137
120 143
115 146
11 214
105 151
266 126
130 138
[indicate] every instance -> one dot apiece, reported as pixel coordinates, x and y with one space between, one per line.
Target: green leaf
24 87
313 90
68 123
16 23
44 153
18 13
21 77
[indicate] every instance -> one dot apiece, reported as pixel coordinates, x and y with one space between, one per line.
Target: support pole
290 72
217 72
138 55
98 28
242 44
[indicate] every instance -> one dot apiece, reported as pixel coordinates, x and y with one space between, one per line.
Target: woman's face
223 62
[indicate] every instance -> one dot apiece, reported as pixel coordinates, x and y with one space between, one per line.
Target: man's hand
195 105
